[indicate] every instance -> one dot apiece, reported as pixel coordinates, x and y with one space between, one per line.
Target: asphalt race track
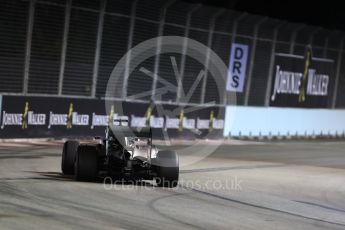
294 185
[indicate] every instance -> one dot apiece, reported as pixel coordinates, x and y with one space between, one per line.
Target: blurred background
260 138
56 53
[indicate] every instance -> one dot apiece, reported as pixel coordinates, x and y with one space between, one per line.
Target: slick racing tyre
69 153
86 164
167 165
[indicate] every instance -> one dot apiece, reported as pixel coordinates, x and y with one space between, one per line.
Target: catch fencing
68 48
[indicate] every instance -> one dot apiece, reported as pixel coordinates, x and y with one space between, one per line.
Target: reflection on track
232 168
33 190
260 207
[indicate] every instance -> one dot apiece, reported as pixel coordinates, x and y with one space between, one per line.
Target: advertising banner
26 117
237 67
302 81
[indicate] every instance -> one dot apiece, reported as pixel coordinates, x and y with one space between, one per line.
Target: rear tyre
86 164
167 165
69 153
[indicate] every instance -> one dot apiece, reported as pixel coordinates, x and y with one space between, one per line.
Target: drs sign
237 67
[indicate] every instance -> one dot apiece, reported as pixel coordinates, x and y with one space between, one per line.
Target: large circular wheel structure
86 164
69 153
167 166
178 45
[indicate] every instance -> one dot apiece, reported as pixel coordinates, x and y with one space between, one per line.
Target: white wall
282 120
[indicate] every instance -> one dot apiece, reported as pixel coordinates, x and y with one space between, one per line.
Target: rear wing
120 122
126 131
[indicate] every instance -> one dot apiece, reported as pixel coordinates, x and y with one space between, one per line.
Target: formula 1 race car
125 153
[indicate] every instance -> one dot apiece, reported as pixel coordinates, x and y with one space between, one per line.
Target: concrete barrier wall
60 117
268 121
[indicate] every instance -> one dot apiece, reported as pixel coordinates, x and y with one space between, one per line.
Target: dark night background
327 14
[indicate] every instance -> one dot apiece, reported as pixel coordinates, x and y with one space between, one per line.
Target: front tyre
167 165
86 164
69 153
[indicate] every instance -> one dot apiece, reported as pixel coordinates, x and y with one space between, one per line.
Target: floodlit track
299 185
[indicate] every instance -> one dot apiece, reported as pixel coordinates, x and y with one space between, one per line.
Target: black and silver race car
126 153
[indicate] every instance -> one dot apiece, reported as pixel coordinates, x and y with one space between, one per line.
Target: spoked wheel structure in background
181 46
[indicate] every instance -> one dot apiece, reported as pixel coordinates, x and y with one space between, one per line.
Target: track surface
265 186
